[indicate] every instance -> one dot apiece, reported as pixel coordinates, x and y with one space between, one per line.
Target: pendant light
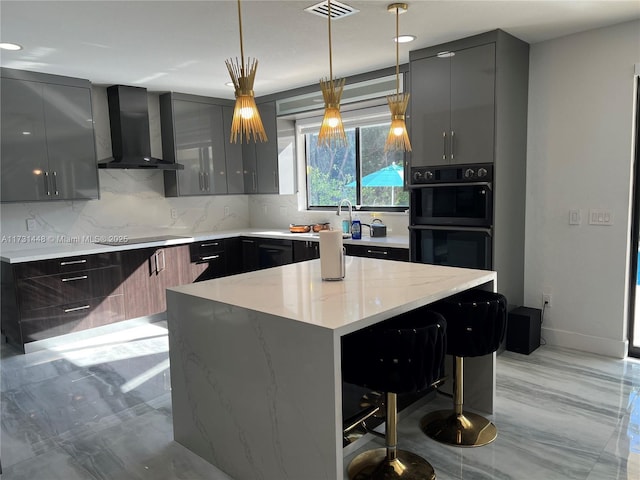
246 118
398 138
331 130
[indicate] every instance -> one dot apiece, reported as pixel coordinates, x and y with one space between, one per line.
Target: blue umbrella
390 176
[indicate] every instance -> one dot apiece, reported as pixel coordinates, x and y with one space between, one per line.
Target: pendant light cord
241 46
397 51
330 57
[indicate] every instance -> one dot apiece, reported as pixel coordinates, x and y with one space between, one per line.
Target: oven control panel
452 174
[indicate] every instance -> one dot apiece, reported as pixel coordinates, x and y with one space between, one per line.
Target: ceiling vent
338 10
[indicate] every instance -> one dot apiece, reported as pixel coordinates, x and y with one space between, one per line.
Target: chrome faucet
350 211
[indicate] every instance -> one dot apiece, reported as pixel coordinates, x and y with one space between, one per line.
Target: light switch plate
600 217
575 217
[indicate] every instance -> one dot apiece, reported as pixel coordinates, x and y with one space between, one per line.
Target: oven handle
488 231
452 184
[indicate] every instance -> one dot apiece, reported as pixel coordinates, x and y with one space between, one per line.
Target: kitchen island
255 359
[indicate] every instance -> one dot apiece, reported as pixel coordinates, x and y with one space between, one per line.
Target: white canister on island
332 255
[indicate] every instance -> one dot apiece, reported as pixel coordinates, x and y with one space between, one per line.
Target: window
361 172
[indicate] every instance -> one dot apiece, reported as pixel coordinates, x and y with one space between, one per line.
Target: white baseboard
586 343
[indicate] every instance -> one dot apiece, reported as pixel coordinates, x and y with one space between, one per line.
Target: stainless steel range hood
130 138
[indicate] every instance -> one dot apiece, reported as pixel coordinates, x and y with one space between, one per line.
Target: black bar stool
402 355
476 323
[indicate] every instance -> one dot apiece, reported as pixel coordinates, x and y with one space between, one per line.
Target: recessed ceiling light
229 84
404 38
10 46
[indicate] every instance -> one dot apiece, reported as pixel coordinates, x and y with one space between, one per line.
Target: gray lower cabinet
452 107
195 133
260 159
48 147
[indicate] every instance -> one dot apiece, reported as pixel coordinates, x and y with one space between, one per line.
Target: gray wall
581 96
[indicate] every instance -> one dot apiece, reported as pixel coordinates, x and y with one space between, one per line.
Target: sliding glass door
634 287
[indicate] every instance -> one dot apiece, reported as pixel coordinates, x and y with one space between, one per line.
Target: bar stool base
374 465
464 430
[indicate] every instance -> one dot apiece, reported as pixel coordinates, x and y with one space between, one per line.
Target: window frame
356 121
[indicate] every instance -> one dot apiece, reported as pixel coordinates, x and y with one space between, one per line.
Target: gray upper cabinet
48 146
193 135
233 152
453 107
260 159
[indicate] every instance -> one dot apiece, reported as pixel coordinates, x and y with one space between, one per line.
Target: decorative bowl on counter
321 226
299 228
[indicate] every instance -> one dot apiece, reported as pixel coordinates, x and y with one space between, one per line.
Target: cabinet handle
444 145
248 241
275 179
72 262
214 244
156 264
55 184
207 183
253 179
200 181
73 279
46 183
160 254
378 252
452 134
210 257
69 310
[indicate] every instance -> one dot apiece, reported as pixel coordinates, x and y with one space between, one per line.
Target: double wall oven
451 215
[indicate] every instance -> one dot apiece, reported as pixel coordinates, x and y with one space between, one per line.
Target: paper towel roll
331 255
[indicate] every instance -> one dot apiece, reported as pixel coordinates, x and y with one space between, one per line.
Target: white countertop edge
266 287
33 252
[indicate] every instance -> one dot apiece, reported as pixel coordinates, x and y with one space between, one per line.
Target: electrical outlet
546 300
174 213
227 212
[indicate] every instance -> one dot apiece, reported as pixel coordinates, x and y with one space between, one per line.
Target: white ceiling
181 45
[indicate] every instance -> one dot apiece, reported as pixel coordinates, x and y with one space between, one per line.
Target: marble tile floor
101 409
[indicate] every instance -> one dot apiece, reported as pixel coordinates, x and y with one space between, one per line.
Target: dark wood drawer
64 265
387 253
60 289
206 250
72 317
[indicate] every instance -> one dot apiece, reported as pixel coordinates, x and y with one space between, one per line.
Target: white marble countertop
28 248
371 291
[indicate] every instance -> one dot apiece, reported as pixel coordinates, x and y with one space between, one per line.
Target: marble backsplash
278 211
131 203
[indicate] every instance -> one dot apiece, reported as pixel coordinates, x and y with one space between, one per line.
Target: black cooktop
124 240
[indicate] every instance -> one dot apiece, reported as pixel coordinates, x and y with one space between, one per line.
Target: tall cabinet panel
472 105
452 107
70 141
430 110
267 152
480 84
233 153
260 160
48 146
24 146
195 133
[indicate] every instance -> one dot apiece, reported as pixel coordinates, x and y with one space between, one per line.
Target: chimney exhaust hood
130 138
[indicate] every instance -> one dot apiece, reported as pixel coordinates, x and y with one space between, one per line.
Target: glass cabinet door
70 142
24 163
